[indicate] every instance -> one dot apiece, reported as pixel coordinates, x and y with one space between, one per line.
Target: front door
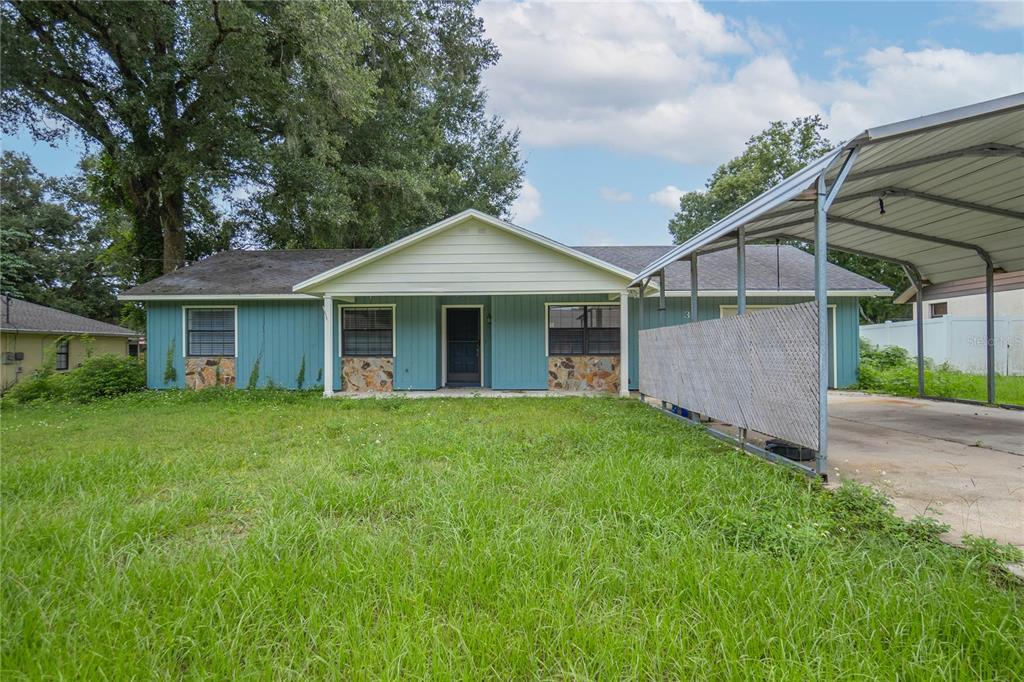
462 328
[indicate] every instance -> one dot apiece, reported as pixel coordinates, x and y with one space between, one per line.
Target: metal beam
990 149
935 198
914 235
837 184
661 295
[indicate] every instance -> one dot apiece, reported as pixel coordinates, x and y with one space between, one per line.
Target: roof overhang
942 195
447 223
216 297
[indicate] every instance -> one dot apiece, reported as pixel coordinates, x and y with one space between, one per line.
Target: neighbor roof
274 273
21 316
769 268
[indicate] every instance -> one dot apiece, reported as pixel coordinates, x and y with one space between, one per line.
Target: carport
940 195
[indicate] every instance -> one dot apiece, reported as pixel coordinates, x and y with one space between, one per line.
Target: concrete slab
961 464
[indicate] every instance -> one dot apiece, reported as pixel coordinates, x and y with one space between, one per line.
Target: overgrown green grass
282 535
891 370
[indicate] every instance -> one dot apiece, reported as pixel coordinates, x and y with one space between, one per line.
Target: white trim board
835 335
444 341
451 222
184 328
848 293
340 309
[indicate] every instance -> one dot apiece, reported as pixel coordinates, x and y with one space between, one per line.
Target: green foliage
170 372
53 248
464 539
346 124
772 155
254 376
99 376
892 370
775 153
300 379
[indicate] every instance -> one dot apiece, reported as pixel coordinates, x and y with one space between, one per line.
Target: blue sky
623 105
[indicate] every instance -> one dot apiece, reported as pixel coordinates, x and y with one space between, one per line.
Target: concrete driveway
961 464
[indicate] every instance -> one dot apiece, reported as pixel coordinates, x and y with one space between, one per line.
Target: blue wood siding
163 336
281 333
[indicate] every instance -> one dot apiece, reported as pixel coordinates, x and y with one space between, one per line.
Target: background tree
772 155
53 247
327 123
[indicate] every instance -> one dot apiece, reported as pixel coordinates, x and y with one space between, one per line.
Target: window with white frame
367 332
63 354
583 330
210 332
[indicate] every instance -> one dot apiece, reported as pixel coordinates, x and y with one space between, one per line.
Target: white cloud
998 15
681 82
667 196
526 208
616 196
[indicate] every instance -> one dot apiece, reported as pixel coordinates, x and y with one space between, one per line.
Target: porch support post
990 331
693 287
624 343
328 346
661 297
821 296
741 270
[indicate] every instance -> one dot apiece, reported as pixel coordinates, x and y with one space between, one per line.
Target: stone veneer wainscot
367 375
207 372
583 373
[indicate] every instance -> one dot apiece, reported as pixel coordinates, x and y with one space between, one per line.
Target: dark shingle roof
786 268
276 272
22 316
247 272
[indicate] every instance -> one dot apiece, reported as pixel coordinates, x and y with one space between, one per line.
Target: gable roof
21 316
448 223
769 269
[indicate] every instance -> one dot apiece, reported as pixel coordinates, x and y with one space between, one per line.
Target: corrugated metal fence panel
758 371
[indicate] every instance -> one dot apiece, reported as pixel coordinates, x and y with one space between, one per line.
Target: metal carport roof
939 194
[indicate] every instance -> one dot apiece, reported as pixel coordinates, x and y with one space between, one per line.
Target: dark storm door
462 327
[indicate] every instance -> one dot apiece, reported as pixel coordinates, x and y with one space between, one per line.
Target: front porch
563 343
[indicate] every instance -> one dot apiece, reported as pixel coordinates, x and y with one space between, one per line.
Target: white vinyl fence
960 341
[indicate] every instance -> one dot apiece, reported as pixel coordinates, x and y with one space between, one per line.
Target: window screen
366 331
62 355
210 331
583 330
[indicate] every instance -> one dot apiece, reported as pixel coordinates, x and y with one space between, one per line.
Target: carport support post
741 270
328 346
918 285
693 287
990 331
661 297
624 343
821 296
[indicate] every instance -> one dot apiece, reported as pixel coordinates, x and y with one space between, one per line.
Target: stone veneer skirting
206 372
367 375
583 372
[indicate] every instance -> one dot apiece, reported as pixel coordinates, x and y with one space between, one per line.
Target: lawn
269 535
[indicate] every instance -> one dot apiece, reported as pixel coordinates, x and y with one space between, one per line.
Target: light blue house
469 301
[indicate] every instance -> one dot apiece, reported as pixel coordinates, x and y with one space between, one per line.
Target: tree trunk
159 226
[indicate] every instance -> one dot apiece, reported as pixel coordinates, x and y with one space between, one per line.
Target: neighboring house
966 297
29 332
469 301
954 324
